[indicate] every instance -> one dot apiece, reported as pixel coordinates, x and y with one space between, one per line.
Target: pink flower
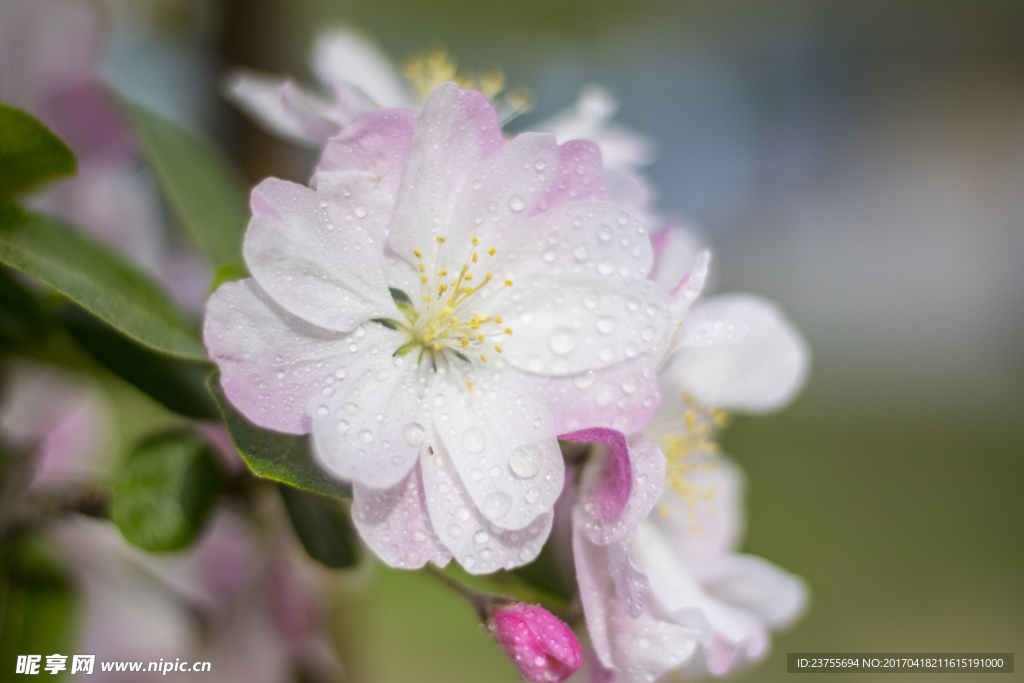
434 313
543 648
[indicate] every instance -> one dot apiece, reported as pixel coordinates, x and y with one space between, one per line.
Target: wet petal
281 107
395 524
676 250
320 259
478 545
501 439
270 361
343 54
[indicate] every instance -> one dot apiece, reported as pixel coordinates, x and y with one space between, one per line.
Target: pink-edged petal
395 524
320 259
457 130
706 519
595 590
529 175
376 144
270 361
501 439
761 370
630 583
298 116
369 425
755 585
676 250
647 647
687 290
641 463
478 545
675 591
622 397
343 54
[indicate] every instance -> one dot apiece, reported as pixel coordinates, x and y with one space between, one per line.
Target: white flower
434 314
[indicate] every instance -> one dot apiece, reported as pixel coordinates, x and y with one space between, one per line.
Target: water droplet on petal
526 461
516 203
414 433
366 436
606 324
473 440
497 505
562 341
454 530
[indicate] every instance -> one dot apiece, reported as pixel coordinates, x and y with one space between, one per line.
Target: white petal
302 118
762 371
346 55
630 583
394 522
479 546
623 396
369 425
595 589
687 291
502 440
676 249
756 585
708 522
647 471
647 647
270 361
457 130
320 259
568 324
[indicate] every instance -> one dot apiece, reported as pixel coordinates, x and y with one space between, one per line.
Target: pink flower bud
544 649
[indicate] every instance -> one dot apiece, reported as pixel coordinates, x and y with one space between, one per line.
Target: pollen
508 283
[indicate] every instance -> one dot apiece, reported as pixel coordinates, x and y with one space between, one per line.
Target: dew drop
580 253
414 433
342 426
584 381
366 436
516 203
605 232
562 341
350 408
454 530
606 324
360 211
481 536
486 554
533 495
463 513
473 440
526 461
605 267
497 505
604 397
606 354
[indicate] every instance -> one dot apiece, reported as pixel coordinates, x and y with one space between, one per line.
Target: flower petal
676 250
395 524
377 144
646 647
369 425
343 54
479 546
630 583
456 131
622 397
319 259
756 585
301 117
530 174
762 371
270 360
595 593
644 467
686 292
502 442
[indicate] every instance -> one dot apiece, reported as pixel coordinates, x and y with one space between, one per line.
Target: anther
497 319
483 357
508 331
440 239
508 283
419 254
476 241
492 251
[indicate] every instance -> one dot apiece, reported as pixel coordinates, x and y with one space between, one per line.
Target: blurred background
859 161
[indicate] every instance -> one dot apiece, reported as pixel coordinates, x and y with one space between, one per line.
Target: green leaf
168 486
282 457
21 317
205 191
38 608
178 385
99 280
323 526
29 153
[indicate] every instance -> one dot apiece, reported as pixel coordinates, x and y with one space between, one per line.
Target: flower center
450 315
692 451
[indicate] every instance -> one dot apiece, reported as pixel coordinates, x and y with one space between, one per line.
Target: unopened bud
544 648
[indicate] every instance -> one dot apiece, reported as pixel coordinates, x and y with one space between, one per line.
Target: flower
434 313
543 648
358 77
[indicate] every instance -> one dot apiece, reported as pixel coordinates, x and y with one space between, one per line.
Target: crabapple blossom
434 313
543 648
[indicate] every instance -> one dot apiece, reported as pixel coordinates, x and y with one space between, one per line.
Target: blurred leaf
99 280
178 385
37 604
545 573
282 457
168 486
21 317
29 153
206 192
323 526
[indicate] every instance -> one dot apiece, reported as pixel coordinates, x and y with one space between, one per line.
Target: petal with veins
761 371
479 546
345 55
455 132
755 585
500 438
302 117
369 425
270 360
676 250
320 259
395 524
